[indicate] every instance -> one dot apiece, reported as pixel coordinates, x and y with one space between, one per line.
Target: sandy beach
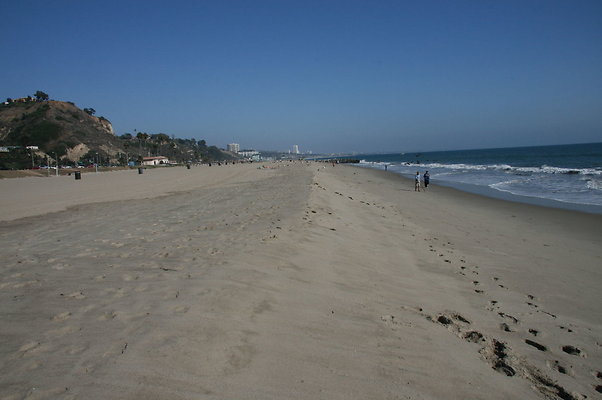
292 281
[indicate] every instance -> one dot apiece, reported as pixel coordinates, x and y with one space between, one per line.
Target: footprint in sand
29 346
108 315
73 350
474 337
128 277
492 305
508 316
497 354
21 284
505 327
63 331
62 316
32 347
557 366
572 350
538 346
141 288
61 266
181 309
75 295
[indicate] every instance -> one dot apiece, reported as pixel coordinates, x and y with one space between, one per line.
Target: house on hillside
23 100
160 160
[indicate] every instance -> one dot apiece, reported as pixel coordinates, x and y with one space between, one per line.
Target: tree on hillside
142 137
41 96
90 111
162 138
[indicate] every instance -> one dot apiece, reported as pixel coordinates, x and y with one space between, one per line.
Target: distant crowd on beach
421 181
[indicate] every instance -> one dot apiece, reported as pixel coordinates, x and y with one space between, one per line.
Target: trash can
188 166
78 175
140 170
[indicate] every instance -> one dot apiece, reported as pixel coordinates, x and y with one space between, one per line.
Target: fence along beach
292 281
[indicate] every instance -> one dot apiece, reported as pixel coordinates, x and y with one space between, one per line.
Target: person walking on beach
427 179
417 182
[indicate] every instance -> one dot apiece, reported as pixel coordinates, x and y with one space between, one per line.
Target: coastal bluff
56 126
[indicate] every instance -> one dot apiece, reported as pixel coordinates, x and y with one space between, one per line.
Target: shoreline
300 281
486 191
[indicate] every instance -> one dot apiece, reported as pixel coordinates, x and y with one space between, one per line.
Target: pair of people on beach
418 180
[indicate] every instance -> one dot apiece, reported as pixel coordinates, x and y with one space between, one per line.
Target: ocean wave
544 169
364 162
516 187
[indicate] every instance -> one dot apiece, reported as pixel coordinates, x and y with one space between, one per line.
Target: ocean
563 176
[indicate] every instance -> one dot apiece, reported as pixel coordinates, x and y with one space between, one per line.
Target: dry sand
295 281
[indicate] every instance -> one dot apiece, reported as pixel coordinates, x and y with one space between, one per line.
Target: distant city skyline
336 76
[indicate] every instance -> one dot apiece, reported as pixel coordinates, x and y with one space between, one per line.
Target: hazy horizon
330 77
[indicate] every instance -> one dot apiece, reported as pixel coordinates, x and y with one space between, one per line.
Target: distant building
248 153
23 100
160 160
295 149
233 147
6 149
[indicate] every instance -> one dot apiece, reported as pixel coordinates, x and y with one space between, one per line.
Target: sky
328 76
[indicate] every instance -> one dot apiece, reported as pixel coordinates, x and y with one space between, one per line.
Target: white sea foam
594 184
544 169
503 186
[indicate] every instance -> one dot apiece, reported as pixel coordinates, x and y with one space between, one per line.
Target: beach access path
291 280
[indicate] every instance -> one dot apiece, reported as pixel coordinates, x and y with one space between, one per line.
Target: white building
233 147
248 153
295 149
155 160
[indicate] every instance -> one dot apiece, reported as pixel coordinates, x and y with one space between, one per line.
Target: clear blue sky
330 76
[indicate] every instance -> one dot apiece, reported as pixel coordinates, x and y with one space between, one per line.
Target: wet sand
294 281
